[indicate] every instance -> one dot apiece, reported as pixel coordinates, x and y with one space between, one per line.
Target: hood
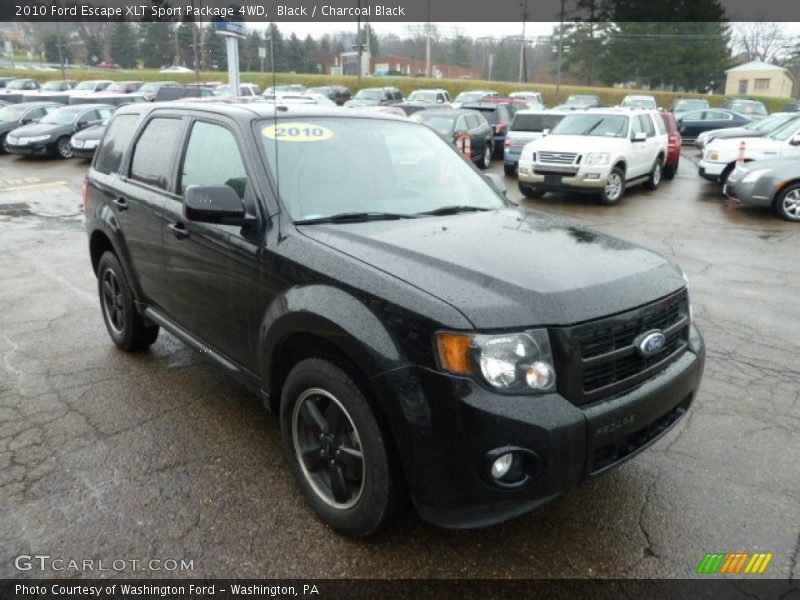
569 143
783 167
509 268
39 129
731 143
91 133
734 132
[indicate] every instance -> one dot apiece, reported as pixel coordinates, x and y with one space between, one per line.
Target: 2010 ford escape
417 333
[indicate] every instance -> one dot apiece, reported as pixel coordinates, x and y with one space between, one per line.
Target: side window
716 115
89 116
647 125
155 151
473 122
213 158
36 113
104 113
636 127
661 125
461 124
117 139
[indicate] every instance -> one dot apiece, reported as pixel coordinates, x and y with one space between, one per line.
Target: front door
213 269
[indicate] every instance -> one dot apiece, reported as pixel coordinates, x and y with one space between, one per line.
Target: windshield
771 123
582 101
595 125
369 95
62 116
86 85
686 105
423 96
151 87
389 166
17 84
646 103
785 132
55 86
749 108
539 122
441 123
10 113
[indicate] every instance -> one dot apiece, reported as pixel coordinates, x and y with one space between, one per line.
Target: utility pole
358 41
560 52
60 50
523 70
194 47
428 42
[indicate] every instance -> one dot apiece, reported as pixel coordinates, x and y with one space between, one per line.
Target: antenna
275 124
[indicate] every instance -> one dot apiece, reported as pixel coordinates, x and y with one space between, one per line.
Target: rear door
139 204
651 146
639 154
213 269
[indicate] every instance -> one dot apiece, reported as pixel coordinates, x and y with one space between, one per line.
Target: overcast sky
451 29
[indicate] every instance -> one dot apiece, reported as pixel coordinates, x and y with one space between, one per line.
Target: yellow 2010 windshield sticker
297 132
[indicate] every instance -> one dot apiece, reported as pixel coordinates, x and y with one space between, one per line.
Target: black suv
384 312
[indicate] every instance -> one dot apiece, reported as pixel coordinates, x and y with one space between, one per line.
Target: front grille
600 360
557 158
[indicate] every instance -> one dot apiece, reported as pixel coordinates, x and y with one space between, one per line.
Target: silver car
772 182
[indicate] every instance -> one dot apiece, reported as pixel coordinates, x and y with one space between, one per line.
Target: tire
787 203
354 444
63 148
531 192
655 175
485 160
510 170
614 189
669 172
125 325
2 144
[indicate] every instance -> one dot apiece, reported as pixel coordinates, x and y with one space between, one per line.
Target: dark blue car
693 123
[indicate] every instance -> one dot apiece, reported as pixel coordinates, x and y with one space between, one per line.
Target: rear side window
117 139
535 122
661 125
647 125
490 114
155 152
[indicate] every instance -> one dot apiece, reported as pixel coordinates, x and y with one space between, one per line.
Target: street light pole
194 45
60 44
560 52
523 71
428 42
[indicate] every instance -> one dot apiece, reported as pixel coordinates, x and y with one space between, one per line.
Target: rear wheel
336 449
530 191
127 328
614 188
486 158
655 176
787 204
64 148
669 171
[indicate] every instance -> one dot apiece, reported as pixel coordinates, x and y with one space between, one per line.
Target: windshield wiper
354 217
452 210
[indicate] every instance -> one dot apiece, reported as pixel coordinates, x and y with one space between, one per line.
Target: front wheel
787 204
614 188
336 449
531 192
64 148
125 325
655 176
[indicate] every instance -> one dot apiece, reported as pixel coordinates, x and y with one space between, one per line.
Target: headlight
754 175
511 363
528 155
598 158
712 155
90 143
38 138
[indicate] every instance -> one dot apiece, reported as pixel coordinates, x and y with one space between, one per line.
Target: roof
757 65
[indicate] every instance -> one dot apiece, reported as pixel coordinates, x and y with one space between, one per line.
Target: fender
335 315
105 222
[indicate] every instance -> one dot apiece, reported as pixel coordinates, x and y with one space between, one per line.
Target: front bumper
545 177
445 426
37 149
86 153
711 171
755 193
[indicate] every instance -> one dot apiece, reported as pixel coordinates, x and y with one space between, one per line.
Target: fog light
593 176
502 465
539 375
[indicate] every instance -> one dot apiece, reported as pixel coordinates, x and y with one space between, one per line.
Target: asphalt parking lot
105 455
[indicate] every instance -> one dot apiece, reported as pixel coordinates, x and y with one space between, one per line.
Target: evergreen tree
294 53
215 55
123 44
94 50
313 64
460 53
157 48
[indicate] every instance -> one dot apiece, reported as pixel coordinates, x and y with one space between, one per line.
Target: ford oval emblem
652 343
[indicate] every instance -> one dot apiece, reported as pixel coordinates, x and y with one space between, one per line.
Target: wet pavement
106 456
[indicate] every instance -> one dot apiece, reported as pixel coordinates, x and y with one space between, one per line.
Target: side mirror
545 132
497 183
795 141
214 204
83 124
639 136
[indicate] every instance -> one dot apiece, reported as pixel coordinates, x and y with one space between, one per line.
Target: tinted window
541 122
717 115
118 138
473 121
213 158
154 155
490 114
647 125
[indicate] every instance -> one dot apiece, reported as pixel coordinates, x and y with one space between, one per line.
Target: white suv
598 150
720 156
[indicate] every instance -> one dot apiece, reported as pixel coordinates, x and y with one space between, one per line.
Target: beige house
759 79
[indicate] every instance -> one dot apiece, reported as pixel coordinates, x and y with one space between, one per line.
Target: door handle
121 204
179 230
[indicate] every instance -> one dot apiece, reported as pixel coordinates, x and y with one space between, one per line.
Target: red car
673 146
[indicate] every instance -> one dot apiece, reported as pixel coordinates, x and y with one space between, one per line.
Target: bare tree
760 40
